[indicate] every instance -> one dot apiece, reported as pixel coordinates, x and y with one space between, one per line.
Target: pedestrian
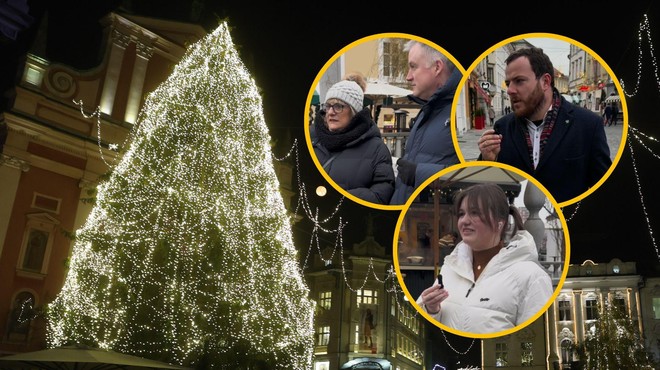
348 144
562 145
492 280
491 115
429 147
608 115
615 113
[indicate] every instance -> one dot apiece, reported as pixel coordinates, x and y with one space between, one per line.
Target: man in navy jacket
559 143
429 147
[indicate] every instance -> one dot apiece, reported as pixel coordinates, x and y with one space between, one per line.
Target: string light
643 26
187 256
641 199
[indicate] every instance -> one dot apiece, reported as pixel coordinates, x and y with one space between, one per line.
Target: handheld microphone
440 281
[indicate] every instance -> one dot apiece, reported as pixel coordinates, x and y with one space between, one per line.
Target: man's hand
406 170
489 145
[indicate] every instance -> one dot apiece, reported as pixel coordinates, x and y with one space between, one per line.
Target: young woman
492 282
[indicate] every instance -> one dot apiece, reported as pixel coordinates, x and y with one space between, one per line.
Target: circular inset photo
482 249
547 105
377 119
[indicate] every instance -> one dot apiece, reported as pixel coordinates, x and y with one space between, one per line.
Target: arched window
566 351
20 317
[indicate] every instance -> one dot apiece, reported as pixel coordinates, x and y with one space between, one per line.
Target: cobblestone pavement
468 141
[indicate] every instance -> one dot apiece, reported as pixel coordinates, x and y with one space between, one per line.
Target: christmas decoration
187 256
613 342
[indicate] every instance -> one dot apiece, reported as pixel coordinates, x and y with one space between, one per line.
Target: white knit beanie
347 91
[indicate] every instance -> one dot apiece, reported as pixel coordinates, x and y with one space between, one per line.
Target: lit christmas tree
613 342
187 256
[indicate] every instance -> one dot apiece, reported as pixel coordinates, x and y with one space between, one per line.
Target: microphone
440 281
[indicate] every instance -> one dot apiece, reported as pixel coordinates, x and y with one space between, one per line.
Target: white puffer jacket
512 288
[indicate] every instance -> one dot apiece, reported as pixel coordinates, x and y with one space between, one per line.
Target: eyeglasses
338 107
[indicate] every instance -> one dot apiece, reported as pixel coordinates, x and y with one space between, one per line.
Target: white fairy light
643 26
188 255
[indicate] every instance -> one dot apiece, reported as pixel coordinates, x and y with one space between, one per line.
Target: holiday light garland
645 25
187 256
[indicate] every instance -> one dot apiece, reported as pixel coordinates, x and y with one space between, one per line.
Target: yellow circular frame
414 299
311 94
624 108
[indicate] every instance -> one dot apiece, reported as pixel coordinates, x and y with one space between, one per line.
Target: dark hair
492 203
540 62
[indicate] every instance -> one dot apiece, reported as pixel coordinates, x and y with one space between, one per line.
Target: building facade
574 312
55 154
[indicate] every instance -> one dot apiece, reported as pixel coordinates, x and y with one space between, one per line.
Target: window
325 300
619 303
322 335
656 308
393 58
501 355
616 269
591 308
322 365
564 310
526 354
37 244
20 317
566 351
367 296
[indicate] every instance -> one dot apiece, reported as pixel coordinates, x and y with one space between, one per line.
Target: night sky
285 46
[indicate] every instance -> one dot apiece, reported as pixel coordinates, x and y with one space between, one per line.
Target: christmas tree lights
187 256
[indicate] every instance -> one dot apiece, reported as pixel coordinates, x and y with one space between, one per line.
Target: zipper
469 290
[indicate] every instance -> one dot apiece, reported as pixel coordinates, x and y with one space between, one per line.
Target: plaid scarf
549 121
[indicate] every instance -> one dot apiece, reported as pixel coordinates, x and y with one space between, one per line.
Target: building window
656 308
46 203
322 335
526 354
591 308
367 296
619 303
616 269
501 355
36 246
393 58
566 351
35 249
20 317
325 300
322 365
564 310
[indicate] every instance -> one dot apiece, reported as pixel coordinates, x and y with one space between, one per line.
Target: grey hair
432 55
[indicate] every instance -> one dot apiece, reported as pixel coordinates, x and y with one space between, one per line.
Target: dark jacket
363 167
575 157
430 144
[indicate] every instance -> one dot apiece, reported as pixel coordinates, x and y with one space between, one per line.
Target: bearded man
560 144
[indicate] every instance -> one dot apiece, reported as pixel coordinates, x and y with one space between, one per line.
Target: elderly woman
492 281
348 144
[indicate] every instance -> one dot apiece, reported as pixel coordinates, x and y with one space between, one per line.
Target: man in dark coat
562 145
429 147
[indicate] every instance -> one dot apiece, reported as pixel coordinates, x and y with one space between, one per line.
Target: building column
119 43
144 53
551 317
534 200
10 174
579 321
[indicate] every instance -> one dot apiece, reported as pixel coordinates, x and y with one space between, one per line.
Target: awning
385 89
481 92
612 98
